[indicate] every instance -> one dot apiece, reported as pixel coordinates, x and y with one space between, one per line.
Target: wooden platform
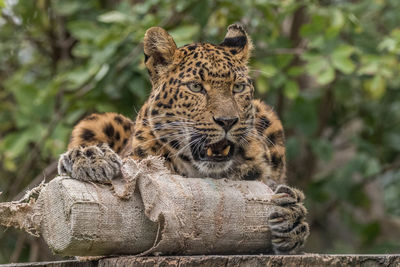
232 260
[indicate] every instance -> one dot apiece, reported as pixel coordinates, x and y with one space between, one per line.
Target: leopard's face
201 105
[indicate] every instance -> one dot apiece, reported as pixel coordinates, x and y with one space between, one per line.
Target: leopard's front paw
289 229
93 163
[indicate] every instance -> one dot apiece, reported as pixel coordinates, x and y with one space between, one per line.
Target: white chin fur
213 169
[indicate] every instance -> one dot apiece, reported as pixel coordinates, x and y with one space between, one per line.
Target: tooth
225 152
209 152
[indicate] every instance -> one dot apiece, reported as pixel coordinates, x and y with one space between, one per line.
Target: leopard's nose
226 122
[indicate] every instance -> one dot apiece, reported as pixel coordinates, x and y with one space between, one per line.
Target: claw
277 240
277 220
279 196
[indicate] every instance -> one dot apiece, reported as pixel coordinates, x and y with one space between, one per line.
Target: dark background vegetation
330 68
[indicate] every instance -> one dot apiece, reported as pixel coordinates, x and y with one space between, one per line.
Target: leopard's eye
239 87
195 87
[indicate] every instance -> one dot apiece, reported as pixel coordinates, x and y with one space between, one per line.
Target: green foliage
329 68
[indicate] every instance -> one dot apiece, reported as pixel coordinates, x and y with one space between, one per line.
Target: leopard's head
200 106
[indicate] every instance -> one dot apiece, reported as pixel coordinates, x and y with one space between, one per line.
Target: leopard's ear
238 41
159 49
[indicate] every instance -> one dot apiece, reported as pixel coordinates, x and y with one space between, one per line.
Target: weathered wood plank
66 263
391 260
256 260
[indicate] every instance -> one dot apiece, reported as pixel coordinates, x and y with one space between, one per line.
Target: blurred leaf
375 87
102 72
326 76
84 30
70 7
320 68
393 140
341 59
392 43
201 12
391 185
295 71
79 76
265 70
388 44
291 89
337 20
372 167
114 17
370 65
15 143
262 85
184 34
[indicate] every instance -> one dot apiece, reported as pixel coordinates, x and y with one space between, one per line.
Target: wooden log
307 260
150 211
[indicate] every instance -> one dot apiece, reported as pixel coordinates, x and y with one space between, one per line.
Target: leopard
202 118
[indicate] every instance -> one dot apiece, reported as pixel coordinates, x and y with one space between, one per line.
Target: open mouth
219 151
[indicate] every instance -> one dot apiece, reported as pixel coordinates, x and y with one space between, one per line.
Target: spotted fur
174 118
202 98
